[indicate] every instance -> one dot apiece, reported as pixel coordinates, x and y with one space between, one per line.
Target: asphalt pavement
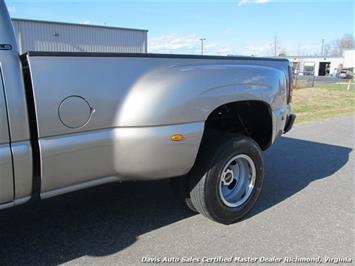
305 211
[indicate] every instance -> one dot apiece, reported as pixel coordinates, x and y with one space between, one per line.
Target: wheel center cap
227 177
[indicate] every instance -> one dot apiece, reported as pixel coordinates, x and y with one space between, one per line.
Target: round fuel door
75 112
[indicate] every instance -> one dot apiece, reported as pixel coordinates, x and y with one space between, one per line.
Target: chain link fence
303 80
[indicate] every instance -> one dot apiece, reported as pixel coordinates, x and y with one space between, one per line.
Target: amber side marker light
177 137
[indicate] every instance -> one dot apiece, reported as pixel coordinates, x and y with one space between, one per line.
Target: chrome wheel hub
237 180
227 177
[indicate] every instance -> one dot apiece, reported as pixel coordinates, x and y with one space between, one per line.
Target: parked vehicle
69 121
345 73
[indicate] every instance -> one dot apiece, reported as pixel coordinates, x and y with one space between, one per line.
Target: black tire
180 187
215 153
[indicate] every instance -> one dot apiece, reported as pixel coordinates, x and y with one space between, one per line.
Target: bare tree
276 48
326 49
346 42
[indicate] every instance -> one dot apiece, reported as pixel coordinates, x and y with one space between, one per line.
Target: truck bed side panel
114 116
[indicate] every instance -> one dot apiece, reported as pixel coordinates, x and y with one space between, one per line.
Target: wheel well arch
252 118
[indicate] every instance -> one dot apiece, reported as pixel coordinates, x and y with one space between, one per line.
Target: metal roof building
34 35
315 65
323 65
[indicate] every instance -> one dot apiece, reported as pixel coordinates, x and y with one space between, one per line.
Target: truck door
6 173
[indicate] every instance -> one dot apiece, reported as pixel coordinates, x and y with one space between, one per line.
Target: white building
322 66
349 58
317 65
34 35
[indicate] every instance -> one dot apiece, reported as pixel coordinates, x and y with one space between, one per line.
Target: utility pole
322 51
202 40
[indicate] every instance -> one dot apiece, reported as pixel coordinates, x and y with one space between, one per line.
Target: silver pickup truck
69 121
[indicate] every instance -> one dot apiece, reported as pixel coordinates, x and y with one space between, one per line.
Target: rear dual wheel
226 179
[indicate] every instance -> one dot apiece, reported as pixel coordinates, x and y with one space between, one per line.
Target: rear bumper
289 122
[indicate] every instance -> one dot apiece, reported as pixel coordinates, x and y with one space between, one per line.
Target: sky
243 27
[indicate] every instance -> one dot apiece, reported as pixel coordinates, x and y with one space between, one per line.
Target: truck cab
16 169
